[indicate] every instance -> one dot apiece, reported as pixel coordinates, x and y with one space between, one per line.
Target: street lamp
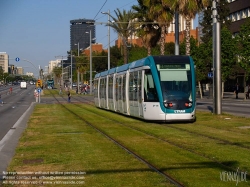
90 61
108 13
71 81
34 66
78 74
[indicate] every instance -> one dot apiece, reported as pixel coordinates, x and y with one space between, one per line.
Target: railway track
222 165
137 156
212 159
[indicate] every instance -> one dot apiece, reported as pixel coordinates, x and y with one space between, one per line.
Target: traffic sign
17 59
210 74
39 90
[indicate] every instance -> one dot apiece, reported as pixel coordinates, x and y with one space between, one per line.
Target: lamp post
6 79
78 74
71 81
90 61
216 59
34 66
108 13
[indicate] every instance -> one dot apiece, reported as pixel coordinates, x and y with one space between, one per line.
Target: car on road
23 85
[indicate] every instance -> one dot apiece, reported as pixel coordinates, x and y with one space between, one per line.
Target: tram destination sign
173 66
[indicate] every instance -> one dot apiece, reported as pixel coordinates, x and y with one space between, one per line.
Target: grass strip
56 140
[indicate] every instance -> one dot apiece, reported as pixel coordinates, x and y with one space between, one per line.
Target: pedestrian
1 101
60 91
69 96
247 91
236 91
36 94
10 90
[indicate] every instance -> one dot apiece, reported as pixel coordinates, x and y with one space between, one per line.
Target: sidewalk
226 97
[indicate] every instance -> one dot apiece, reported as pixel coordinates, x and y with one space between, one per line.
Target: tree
162 15
189 9
206 24
148 31
228 53
243 45
57 72
121 26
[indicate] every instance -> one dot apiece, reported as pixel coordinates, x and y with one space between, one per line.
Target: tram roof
97 75
104 73
112 71
143 62
122 68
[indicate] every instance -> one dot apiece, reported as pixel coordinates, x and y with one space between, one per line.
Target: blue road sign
39 90
17 59
210 74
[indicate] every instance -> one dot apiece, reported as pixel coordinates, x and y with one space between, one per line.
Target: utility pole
108 13
216 58
177 33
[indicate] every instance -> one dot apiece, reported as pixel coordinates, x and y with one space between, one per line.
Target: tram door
119 98
135 97
140 94
123 90
103 93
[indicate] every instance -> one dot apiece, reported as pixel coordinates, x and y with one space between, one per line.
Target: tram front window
176 86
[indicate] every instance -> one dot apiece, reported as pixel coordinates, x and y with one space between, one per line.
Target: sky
38 31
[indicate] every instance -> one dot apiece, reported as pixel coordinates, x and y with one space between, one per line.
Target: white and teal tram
159 88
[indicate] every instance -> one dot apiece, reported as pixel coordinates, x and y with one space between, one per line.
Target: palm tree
57 72
149 31
189 9
121 26
162 15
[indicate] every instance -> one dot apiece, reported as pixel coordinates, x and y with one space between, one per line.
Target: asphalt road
14 114
14 106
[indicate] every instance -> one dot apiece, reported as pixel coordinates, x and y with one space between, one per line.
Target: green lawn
196 154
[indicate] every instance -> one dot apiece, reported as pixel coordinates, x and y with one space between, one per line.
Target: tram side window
139 90
116 88
110 88
95 88
150 93
133 78
119 88
102 88
124 87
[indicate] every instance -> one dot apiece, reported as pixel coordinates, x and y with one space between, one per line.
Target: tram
157 88
50 84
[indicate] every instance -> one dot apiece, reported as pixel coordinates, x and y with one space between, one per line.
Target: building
80 33
30 74
96 48
52 64
239 11
4 61
19 71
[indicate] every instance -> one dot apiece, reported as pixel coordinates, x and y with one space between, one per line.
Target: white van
23 85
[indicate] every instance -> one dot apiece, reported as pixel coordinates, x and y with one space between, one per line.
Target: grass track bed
70 144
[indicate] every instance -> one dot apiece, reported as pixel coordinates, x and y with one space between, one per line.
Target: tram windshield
176 82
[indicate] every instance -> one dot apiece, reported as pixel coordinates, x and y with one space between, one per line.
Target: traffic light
39 83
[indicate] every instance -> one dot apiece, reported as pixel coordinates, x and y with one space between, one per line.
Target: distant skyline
39 30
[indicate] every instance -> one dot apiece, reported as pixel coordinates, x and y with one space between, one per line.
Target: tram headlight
168 104
188 104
